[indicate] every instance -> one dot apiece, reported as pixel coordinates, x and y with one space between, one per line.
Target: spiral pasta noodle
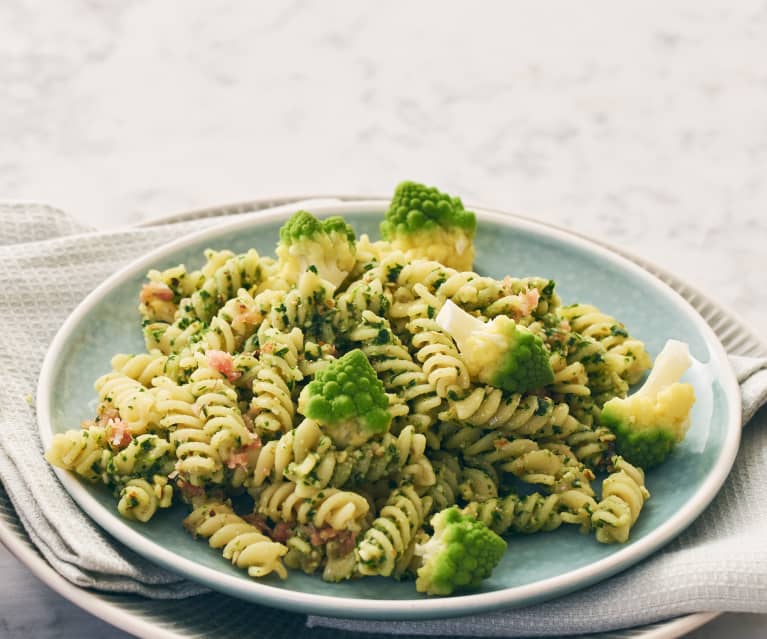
466 289
447 476
160 296
83 451
234 323
534 513
337 509
477 484
591 445
144 455
308 458
316 357
222 277
359 297
523 297
552 465
140 499
516 297
242 543
173 338
131 470
207 431
134 402
396 368
144 367
604 380
274 378
304 307
221 283
623 495
442 364
570 378
521 415
390 536
628 355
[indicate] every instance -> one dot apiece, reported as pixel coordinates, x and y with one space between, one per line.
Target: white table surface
642 123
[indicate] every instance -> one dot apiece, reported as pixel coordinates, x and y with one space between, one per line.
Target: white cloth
48 263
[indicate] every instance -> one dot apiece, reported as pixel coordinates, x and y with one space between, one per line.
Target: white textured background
644 123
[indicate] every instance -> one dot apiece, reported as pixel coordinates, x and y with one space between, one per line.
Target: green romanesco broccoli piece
329 246
500 352
347 400
460 554
431 225
651 422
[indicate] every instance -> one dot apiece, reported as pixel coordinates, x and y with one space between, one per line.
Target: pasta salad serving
354 408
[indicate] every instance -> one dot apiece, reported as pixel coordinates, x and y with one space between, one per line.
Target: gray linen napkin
48 263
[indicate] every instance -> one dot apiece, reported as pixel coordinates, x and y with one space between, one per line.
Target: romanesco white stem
669 367
457 322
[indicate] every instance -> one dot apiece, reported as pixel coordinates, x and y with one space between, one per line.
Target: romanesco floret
430 225
460 554
329 246
651 422
500 352
347 400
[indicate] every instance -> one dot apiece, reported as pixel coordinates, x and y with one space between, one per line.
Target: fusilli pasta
223 409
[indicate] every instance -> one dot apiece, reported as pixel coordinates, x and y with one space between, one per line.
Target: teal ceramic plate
535 567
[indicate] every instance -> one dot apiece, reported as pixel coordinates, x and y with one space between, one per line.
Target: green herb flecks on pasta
386 410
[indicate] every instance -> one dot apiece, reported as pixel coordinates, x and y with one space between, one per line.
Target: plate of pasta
473 412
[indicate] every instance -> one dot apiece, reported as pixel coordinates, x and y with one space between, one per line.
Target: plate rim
408 608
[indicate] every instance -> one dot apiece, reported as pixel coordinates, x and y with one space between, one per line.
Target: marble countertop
640 123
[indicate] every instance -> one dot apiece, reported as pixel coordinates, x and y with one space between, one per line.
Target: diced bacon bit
240 457
155 291
346 541
189 491
248 422
119 435
268 348
320 536
237 460
529 300
506 285
259 521
223 363
565 325
282 532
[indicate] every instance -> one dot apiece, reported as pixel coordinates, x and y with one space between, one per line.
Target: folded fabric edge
84 577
